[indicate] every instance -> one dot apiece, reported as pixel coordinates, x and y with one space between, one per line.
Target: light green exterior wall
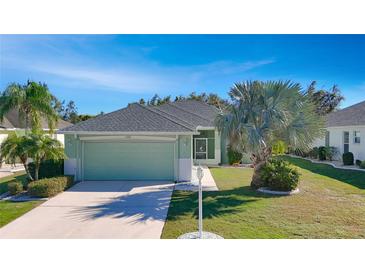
71 146
184 147
224 155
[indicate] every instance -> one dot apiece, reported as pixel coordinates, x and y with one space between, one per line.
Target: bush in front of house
234 157
362 165
322 153
279 148
348 158
48 168
50 187
313 153
358 162
15 187
279 175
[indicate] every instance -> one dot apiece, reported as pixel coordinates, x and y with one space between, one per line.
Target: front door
201 148
346 141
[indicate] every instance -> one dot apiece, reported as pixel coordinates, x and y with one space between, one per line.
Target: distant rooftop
351 116
12 120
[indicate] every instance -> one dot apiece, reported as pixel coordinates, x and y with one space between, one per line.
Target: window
346 140
357 137
204 145
327 140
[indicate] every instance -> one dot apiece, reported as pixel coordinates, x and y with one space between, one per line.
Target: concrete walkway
208 182
96 210
7 170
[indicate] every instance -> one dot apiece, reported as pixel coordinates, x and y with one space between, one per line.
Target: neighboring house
144 143
346 131
12 123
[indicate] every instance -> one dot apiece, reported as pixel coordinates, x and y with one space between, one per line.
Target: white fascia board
205 128
129 138
343 127
113 133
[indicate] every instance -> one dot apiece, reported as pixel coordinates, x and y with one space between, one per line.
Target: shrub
362 165
313 153
279 175
15 187
279 148
348 158
358 162
234 157
49 187
299 152
322 153
48 169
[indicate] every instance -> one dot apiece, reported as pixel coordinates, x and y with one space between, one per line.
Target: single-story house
12 123
145 143
346 131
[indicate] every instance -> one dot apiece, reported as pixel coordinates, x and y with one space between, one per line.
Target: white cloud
142 77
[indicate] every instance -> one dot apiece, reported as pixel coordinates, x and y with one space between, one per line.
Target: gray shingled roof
12 120
183 116
350 116
195 116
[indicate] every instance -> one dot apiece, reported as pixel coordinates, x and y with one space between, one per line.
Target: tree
326 101
70 113
263 113
42 147
211 99
33 101
16 147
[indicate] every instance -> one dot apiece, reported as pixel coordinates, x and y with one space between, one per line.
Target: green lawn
9 211
331 204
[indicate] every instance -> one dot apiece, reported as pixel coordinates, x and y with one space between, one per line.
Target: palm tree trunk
27 170
259 161
36 171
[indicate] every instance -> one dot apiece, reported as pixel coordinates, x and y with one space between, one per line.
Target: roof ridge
156 112
178 118
355 105
180 108
97 117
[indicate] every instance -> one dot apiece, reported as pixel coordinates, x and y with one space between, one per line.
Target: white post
200 176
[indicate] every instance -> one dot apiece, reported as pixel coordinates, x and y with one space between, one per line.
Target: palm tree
43 147
16 147
263 113
33 101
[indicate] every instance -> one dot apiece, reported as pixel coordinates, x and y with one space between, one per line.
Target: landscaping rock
275 192
195 236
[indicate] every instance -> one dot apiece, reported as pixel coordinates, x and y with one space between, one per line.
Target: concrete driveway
98 210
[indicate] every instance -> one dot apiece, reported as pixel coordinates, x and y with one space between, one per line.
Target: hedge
15 187
234 157
50 187
48 169
348 158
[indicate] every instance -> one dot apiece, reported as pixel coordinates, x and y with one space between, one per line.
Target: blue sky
106 72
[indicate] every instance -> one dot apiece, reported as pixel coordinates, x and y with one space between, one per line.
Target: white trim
128 138
205 128
341 127
127 133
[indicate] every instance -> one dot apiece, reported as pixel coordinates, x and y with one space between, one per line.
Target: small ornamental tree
263 113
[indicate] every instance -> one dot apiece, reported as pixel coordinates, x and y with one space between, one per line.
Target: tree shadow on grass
352 177
215 203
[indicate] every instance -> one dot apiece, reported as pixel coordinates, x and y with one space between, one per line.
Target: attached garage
113 160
